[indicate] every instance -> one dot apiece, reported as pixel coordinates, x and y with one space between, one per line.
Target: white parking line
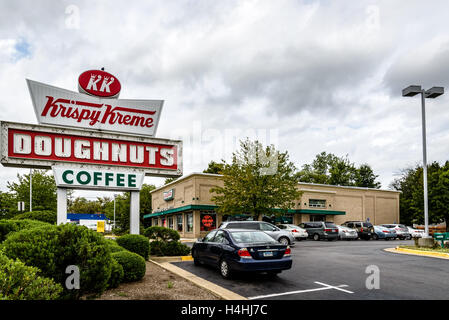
333 287
325 287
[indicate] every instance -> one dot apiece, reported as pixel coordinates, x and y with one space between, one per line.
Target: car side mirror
200 239
225 241
275 229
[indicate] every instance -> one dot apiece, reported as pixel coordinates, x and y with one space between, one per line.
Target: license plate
369 233
268 254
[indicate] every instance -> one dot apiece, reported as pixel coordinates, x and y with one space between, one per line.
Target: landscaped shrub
135 243
133 265
162 234
176 248
113 245
53 248
44 216
169 248
9 226
117 274
21 282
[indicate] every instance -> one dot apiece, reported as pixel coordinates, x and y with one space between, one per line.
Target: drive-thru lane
338 270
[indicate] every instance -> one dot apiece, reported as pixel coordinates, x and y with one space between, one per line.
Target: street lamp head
434 92
411 91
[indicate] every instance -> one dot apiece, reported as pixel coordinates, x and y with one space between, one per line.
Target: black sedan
237 250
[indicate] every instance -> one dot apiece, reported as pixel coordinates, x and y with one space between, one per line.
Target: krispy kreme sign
56 106
45 146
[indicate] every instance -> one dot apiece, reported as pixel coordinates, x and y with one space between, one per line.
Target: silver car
346 233
298 232
283 236
401 230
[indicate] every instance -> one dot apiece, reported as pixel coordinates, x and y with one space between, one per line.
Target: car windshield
251 237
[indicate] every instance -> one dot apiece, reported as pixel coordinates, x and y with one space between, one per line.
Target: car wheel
409 238
316 237
375 237
196 261
225 271
284 241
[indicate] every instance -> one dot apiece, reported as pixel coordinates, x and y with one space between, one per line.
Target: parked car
297 232
415 233
345 233
321 230
283 236
383 233
364 229
239 250
401 230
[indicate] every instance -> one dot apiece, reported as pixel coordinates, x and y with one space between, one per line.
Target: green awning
212 207
327 212
181 209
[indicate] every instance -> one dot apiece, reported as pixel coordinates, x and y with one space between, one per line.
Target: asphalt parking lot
337 270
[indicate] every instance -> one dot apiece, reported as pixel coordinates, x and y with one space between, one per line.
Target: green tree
411 201
122 207
82 205
215 167
365 177
327 168
168 180
44 190
256 181
8 205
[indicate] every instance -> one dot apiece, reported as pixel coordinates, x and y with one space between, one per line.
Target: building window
315 203
189 222
155 221
170 222
208 221
179 223
317 217
164 222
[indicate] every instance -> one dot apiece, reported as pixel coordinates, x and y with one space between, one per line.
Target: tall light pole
432 93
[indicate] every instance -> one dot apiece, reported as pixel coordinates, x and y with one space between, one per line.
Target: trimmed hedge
113 246
133 265
170 248
9 226
135 243
53 248
161 234
44 216
117 275
21 282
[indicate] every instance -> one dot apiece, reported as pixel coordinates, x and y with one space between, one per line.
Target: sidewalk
164 262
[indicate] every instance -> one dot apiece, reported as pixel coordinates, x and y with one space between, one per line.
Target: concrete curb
172 259
218 291
418 253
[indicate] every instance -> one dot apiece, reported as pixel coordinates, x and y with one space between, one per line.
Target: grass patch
440 250
170 285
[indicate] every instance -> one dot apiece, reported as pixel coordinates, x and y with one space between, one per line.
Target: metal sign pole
31 190
62 206
134 221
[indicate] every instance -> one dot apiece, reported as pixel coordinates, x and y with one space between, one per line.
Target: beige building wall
380 206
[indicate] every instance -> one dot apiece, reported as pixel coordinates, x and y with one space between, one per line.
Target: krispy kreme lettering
94 113
38 145
56 106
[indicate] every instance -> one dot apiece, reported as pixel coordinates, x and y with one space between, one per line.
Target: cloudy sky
308 76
